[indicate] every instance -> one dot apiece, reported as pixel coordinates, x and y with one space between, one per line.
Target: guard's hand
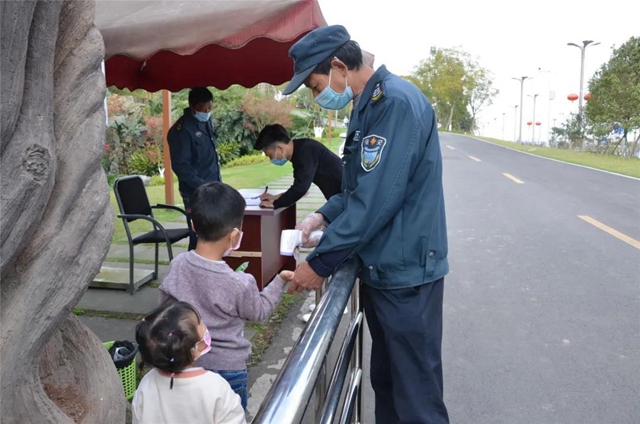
305 278
267 196
313 222
268 204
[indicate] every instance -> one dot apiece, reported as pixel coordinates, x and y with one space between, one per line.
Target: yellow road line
474 158
512 178
451 147
617 234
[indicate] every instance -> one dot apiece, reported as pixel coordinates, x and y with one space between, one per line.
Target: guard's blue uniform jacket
194 156
391 210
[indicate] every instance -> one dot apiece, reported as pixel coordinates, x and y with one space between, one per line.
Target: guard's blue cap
313 49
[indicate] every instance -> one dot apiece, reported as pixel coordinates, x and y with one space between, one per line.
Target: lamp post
552 96
533 127
521 79
582 48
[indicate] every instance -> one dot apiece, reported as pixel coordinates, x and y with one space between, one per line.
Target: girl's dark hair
167 335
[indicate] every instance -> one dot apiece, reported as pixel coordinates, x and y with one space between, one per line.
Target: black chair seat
158 237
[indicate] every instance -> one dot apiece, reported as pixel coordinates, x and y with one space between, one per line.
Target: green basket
127 376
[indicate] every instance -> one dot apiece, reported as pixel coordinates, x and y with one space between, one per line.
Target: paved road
542 308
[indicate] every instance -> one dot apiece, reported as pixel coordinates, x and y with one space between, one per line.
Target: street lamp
521 79
552 96
533 126
582 48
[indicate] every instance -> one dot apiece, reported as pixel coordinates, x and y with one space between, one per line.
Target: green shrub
301 127
158 180
247 160
228 151
141 164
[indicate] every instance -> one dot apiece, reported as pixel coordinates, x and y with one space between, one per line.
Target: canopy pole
166 124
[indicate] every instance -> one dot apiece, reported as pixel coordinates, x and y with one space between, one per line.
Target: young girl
171 338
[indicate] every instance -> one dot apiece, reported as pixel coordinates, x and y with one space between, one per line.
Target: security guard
390 214
194 156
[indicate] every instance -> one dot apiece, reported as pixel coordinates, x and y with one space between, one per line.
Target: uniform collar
378 76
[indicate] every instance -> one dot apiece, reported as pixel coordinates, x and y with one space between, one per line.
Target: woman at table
312 163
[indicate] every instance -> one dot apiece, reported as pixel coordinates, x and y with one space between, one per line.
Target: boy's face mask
206 339
237 246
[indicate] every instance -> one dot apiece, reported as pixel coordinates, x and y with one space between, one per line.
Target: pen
265 192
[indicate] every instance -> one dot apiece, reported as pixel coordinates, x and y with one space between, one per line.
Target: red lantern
529 123
538 123
587 96
573 97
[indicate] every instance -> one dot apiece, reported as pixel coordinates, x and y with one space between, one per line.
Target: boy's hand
268 197
287 275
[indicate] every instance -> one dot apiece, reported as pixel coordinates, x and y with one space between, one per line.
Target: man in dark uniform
390 214
194 156
312 163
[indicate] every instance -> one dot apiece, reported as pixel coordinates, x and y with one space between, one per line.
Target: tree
615 92
457 86
56 223
441 78
480 89
262 110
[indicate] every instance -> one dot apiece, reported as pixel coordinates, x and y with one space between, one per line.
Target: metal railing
303 373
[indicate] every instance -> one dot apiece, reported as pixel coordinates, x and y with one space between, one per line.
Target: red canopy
172 45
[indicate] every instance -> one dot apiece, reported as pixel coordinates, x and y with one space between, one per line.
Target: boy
224 298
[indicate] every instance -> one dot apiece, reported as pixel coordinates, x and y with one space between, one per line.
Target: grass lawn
618 164
249 176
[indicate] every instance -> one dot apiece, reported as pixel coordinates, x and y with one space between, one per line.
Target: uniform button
431 254
370 266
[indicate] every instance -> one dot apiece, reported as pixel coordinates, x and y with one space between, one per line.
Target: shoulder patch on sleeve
179 125
378 93
371 153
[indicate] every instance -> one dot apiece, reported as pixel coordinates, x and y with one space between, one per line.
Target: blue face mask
329 99
279 162
202 116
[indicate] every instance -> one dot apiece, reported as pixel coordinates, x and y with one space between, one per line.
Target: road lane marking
474 158
512 178
553 160
617 234
451 147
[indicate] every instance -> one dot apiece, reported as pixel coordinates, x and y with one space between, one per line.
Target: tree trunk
56 222
450 120
635 146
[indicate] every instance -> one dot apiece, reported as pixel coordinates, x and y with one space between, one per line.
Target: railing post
321 384
356 361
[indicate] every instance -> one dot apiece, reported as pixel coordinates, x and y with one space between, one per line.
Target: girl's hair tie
170 334
171 360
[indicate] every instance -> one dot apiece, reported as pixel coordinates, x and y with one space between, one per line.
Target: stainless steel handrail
291 392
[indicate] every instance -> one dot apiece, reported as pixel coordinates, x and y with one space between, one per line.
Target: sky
511 39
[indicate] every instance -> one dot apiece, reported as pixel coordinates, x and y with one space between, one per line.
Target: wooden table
261 240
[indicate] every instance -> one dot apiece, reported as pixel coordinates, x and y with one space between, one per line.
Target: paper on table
252 202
